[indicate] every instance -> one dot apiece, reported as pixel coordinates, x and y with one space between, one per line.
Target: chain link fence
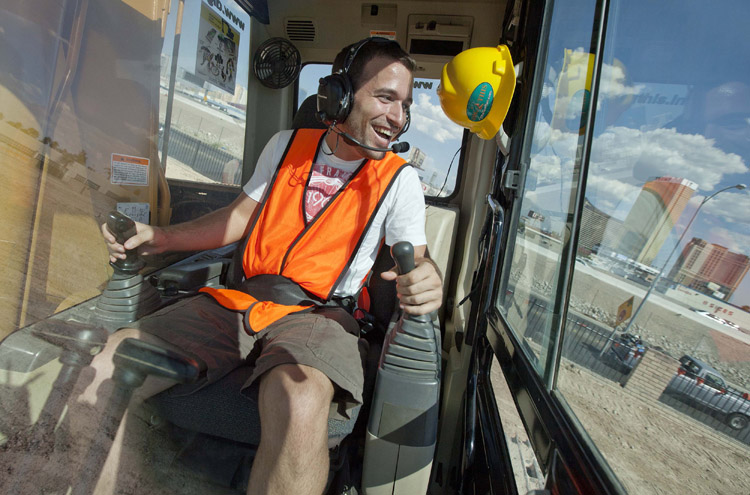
207 159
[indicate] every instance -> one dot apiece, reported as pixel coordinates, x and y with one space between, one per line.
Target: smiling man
314 215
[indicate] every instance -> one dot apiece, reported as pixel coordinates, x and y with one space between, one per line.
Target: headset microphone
401 147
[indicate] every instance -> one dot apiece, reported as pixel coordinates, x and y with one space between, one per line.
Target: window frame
567 456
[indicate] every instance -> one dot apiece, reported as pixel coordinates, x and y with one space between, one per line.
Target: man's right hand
148 240
216 229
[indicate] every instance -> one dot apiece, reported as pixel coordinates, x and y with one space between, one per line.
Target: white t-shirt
401 217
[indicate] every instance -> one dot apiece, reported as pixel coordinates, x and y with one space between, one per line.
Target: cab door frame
570 461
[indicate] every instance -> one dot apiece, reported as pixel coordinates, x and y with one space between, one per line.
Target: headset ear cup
334 98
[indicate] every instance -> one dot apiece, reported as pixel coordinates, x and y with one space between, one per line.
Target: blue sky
673 101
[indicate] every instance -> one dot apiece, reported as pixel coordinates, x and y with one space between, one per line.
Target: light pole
669 257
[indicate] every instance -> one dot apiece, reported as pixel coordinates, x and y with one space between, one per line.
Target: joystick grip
403 255
123 228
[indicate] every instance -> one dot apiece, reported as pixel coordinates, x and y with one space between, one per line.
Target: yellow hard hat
476 88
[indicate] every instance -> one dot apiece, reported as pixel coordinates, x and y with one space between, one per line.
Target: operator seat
305 117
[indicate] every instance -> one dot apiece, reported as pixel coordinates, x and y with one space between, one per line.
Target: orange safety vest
313 255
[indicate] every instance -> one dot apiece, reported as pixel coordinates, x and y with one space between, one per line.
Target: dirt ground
651 448
82 456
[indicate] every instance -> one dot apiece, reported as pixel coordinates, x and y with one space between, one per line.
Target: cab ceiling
320 28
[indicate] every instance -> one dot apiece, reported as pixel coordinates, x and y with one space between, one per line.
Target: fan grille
277 63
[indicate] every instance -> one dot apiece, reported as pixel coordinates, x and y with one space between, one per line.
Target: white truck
701 386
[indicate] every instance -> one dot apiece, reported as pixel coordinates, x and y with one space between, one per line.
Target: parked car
702 387
626 351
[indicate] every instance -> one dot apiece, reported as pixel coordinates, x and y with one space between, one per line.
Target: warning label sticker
136 211
391 35
129 170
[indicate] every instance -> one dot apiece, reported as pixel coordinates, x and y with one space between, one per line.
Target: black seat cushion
222 410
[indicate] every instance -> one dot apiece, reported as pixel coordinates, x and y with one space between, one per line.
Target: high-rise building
710 268
652 217
596 226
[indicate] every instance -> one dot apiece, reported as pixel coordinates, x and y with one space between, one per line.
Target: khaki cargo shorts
325 338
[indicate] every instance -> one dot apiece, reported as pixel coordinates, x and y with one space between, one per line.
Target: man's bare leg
294 401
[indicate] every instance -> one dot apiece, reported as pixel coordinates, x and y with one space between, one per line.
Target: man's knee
300 393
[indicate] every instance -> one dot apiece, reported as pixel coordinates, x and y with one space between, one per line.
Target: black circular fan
277 63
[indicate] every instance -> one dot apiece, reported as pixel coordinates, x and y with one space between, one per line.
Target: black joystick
403 255
134 360
127 296
407 388
123 228
79 344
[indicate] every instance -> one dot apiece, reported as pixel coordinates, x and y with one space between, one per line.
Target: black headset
336 92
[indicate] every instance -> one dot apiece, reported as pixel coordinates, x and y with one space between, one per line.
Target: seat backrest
305 117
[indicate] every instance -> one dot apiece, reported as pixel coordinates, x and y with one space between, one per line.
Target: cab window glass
80 135
203 113
661 256
529 303
79 89
435 141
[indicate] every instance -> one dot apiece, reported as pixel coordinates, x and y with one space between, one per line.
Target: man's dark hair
378 47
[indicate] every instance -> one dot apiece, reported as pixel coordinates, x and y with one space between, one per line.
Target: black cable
450 165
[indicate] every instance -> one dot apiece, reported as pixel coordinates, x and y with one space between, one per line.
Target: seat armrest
192 276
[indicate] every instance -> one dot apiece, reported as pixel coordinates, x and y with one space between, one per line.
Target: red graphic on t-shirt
324 183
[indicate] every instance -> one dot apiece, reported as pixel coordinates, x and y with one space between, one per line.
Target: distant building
652 217
710 268
416 158
595 227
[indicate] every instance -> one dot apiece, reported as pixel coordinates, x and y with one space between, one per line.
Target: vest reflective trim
316 255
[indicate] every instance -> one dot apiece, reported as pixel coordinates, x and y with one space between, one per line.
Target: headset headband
355 49
336 91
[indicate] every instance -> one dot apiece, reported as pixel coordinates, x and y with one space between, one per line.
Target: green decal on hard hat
480 102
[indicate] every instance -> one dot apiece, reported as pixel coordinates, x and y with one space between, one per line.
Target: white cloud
614 82
635 156
735 242
732 206
429 118
665 152
548 169
612 195
690 156
623 159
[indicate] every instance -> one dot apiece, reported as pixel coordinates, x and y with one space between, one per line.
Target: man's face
379 109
